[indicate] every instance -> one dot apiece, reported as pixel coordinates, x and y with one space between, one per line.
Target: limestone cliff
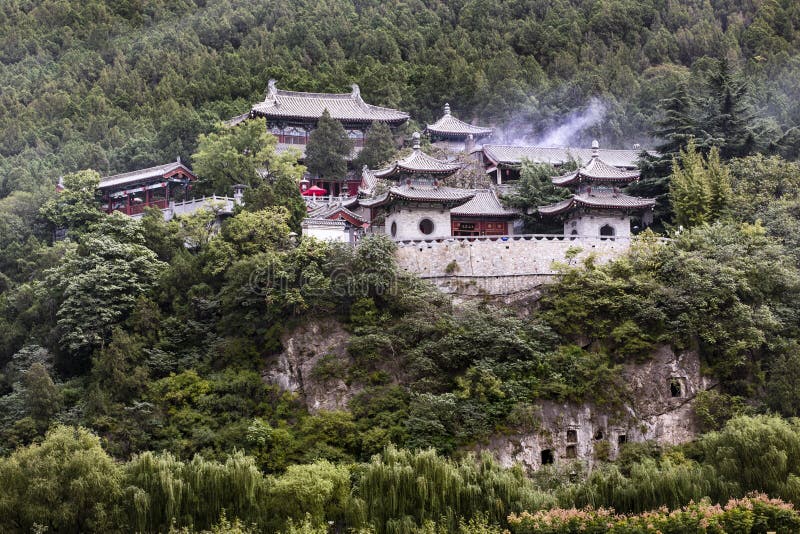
307 366
663 390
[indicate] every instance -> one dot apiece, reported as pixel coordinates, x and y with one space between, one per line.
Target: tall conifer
328 149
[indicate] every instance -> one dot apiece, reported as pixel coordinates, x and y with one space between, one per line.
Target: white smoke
572 125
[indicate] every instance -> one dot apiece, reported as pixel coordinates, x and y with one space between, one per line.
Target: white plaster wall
408 223
589 225
327 233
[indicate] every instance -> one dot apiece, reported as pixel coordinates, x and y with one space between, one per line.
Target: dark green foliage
536 189
328 149
379 147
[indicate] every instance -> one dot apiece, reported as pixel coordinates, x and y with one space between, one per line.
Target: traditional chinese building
416 211
335 221
504 162
292 115
417 166
597 207
483 214
454 134
155 187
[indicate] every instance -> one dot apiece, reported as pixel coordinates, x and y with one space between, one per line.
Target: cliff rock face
661 410
313 364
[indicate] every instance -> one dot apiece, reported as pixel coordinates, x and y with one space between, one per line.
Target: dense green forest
132 352
118 85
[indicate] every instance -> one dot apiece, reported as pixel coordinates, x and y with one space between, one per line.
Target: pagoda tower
454 134
597 207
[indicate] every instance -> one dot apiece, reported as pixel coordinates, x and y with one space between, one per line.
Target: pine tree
730 117
328 149
719 178
677 124
379 147
689 189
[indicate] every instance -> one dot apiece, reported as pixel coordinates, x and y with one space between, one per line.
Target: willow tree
66 484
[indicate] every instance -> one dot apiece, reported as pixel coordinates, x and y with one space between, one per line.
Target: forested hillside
118 85
134 390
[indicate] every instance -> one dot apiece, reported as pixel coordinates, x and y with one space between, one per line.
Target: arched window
607 231
426 226
394 229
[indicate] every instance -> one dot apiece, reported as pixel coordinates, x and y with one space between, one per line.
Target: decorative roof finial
356 91
415 137
447 109
272 89
595 148
179 159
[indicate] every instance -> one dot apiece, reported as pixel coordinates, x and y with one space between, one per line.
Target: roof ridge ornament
272 89
595 149
415 136
446 108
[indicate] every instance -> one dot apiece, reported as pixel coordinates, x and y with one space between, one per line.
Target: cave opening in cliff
675 387
547 457
572 435
572 451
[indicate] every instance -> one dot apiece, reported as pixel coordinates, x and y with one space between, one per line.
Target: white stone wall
408 223
589 225
503 256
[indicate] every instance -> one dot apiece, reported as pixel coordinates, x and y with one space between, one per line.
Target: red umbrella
314 191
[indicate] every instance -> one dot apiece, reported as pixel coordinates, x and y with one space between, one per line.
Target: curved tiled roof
515 154
336 211
484 203
416 193
341 106
604 200
449 125
418 162
596 171
143 174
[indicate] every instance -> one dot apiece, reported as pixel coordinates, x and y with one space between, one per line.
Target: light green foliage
235 155
163 491
76 206
97 284
328 148
321 490
405 488
66 484
700 190
260 231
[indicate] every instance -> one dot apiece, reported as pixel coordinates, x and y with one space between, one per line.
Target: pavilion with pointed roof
455 133
418 165
597 207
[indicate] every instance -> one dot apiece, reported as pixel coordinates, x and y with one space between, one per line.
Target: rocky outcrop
663 390
313 364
